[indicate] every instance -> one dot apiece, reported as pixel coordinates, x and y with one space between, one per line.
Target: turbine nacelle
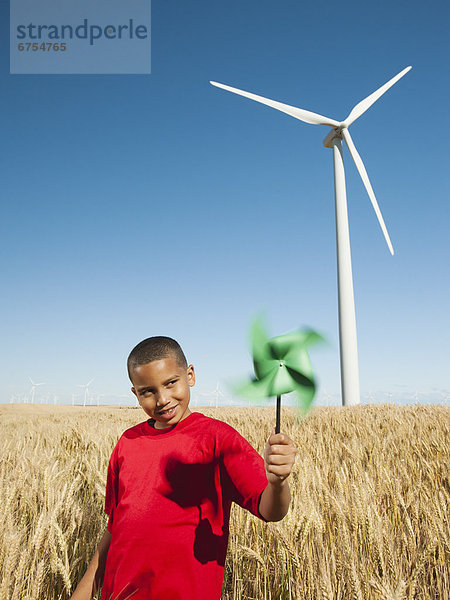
334 133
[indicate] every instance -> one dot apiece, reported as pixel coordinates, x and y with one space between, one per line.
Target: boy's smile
162 389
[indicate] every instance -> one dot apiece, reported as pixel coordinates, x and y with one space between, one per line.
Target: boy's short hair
155 348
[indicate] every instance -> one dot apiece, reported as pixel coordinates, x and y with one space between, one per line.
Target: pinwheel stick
277 425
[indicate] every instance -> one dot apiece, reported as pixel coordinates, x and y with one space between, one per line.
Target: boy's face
162 389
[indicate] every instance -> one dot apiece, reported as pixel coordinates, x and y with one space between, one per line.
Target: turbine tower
33 388
339 131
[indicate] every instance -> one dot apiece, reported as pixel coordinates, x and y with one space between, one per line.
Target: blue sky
138 205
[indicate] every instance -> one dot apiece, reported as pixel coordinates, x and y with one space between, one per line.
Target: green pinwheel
281 365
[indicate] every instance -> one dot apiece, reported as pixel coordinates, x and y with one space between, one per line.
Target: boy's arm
92 579
279 457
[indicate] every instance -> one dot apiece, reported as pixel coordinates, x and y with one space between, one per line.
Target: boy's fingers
279 470
277 459
286 450
279 438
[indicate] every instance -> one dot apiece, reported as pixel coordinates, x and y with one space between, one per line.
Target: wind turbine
86 390
339 131
33 388
218 394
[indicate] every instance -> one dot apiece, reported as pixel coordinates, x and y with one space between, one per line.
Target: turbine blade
362 106
362 171
298 113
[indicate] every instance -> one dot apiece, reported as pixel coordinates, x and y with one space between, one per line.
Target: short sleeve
244 473
112 488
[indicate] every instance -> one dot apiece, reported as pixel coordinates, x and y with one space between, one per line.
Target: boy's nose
161 399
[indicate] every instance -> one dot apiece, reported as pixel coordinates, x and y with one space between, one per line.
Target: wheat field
368 518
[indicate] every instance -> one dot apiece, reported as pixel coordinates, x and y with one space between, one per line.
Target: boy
171 481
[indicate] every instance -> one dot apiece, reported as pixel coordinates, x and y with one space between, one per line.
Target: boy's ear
190 375
134 391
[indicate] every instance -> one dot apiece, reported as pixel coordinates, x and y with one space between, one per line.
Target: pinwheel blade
256 389
305 396
264 368
302 380
298 113
298 360
259 341
282 344
283 382
362 106
312 337
362 171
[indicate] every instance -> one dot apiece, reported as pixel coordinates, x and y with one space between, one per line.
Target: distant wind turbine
339 131
86 391
33 388
218 394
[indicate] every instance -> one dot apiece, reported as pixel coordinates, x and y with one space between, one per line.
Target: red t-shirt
168 497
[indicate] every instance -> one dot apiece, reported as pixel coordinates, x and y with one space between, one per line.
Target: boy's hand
279 457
